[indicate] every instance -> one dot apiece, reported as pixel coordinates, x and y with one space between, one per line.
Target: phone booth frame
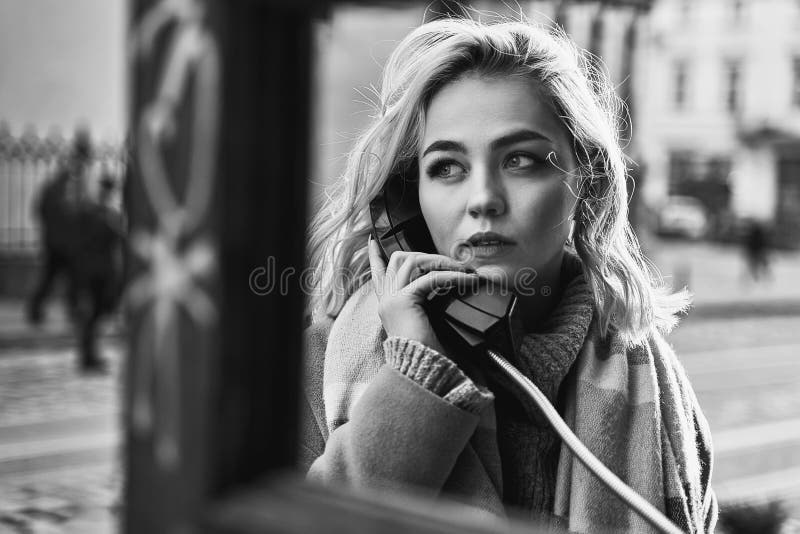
220 121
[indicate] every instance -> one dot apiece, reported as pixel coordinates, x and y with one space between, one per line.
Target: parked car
684 217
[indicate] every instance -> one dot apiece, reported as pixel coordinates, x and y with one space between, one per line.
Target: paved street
59 443
746 373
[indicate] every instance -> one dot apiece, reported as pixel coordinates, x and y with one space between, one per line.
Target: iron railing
26 163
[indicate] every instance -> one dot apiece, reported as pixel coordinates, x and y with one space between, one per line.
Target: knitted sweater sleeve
436 373
407 429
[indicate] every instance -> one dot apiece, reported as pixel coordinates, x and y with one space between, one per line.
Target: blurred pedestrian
56 207
82 240
756 251
98 271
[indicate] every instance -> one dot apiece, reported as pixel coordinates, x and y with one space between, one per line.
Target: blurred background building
719 111
712 88
713 91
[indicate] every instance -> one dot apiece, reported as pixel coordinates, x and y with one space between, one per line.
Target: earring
570 237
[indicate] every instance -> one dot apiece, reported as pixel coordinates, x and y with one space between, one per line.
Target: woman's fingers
439 281
406 267
416 266
401 257
403 283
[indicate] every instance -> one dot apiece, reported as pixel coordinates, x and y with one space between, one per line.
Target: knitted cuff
436 373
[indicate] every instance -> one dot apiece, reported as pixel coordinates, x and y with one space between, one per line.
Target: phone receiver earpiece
409 234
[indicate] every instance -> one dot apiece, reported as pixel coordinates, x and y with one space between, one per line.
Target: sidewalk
55 331
60 443
716 276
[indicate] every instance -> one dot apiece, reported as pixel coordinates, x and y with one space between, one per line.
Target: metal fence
26 163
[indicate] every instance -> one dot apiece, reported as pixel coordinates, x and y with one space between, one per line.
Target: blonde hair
629 293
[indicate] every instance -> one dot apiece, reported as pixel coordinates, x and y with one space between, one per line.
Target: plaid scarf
632 407
636 411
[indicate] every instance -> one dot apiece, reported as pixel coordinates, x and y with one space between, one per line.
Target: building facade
718 109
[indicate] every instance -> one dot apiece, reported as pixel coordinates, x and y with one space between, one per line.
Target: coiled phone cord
633 499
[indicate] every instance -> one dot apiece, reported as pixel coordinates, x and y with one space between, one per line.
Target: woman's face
496 176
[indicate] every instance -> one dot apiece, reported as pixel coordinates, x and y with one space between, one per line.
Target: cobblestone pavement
59 443
53 389
79 500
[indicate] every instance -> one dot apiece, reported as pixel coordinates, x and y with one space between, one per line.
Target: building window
702 176
733 75
679 85
681 171
718 169
796 82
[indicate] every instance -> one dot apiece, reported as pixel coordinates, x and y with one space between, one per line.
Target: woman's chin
517 279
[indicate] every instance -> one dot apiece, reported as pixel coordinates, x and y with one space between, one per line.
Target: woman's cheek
547 216
544 204
435 219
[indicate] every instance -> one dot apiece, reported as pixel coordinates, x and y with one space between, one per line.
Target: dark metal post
263 176
172 294
220 129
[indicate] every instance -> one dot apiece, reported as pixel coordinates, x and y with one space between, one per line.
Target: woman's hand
403 285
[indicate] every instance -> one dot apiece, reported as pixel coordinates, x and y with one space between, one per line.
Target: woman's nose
487 197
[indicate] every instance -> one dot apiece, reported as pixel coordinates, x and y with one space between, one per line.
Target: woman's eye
445 169
521 161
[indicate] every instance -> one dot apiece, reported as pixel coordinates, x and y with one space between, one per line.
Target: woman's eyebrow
518 136
508 139
445 146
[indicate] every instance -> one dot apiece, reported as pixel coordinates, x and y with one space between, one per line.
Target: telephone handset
477 319
481 321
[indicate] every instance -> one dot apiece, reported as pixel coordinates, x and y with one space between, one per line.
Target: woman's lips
485 245
489 250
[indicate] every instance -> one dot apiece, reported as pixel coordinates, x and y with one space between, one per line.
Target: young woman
510 141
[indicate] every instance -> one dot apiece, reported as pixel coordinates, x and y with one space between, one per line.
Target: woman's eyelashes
517 163
445 169
522 161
